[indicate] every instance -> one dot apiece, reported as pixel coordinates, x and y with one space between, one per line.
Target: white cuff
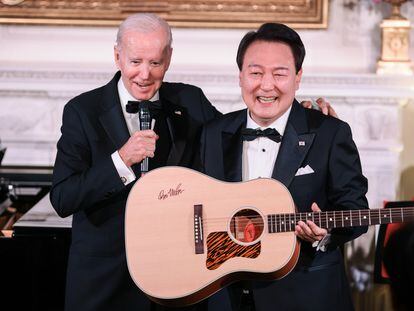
322 244
125 173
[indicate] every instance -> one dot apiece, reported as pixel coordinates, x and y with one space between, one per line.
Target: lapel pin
301 143
178 112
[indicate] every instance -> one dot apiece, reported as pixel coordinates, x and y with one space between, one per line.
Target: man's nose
268 82
144 71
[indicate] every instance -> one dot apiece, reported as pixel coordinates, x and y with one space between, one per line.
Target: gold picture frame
179 13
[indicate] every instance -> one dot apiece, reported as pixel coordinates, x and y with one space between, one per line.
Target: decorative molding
203 77
363 80
219 77
370 104
179 13
61 76
23 93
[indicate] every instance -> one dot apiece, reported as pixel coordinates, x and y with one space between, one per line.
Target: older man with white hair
98 152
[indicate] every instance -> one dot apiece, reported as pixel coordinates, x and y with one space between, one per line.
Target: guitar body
187 235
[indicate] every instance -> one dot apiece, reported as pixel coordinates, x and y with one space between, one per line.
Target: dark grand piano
34 241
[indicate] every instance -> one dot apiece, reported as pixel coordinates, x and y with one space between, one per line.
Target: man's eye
135 62
155 64
256 73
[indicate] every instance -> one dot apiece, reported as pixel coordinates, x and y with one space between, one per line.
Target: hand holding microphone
138 147
141 145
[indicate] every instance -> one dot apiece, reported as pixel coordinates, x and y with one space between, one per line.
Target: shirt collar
279 124
125 96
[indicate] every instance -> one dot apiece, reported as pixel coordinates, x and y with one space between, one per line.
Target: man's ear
298 78
169 55
240 78
116 55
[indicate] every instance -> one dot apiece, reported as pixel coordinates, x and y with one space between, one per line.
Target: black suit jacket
87 186
318 281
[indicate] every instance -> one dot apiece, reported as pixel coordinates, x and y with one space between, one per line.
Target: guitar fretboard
340 219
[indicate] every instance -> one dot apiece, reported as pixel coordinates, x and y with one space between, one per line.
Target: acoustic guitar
188 235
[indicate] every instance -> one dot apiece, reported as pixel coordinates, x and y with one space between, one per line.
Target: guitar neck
340 219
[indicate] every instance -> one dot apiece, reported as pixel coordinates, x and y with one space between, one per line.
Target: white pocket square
304 170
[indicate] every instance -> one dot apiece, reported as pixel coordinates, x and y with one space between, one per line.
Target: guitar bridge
198 229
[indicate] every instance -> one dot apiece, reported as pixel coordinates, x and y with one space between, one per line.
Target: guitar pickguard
220 248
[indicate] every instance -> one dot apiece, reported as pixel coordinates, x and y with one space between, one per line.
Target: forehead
268 54
155 41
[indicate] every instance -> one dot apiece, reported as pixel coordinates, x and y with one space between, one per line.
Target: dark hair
273 32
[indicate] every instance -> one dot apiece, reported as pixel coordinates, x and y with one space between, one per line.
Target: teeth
267 99
141 84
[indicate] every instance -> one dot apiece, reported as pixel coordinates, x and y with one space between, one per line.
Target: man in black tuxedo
97 158
313 155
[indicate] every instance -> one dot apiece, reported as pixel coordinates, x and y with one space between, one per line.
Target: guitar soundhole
246 226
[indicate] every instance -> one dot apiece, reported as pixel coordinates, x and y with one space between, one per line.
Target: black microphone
144 124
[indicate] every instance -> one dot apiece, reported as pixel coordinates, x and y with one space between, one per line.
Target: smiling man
268 80
313 155
101 144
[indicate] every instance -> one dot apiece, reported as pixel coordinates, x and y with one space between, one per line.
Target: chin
267 115
143 96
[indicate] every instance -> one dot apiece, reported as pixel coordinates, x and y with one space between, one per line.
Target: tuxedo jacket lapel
232 146
178 125
295 145
111 117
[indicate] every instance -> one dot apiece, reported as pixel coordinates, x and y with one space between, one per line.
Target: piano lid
43 215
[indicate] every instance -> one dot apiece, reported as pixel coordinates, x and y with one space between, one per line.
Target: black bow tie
155 107
271 133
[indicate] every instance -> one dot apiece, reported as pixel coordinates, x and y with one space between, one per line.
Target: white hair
143 22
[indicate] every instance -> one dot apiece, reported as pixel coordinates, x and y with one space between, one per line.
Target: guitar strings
288 218
287 226
345 213
332 224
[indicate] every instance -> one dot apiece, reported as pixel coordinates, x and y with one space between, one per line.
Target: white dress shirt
132 120
259 155
259 158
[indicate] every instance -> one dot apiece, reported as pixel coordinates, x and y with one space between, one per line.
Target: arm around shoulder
210 112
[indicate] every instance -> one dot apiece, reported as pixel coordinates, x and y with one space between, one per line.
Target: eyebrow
276 68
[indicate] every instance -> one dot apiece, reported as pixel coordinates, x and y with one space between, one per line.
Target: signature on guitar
170 193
